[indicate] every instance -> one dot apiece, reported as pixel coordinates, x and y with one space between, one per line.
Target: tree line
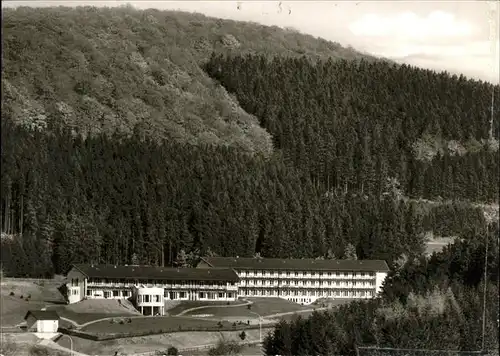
112 199
428 304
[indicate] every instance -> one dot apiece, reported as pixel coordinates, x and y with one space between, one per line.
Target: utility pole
485 287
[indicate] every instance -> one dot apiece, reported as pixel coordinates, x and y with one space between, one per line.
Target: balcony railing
165 286
309 277
110 284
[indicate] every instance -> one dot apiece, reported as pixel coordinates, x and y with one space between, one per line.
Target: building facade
150 287
42 321
225 278
304 280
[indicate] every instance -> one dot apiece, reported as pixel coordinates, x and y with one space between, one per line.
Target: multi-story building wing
149 287
304 280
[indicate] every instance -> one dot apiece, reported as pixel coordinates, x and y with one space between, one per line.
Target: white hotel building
227 278
304 280
150 287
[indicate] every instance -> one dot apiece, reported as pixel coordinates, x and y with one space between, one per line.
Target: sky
457 36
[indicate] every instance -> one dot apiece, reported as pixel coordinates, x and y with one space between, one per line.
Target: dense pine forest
356 145
427 304
106 199
351 124
152 137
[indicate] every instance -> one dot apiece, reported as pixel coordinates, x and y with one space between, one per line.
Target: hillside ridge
131 71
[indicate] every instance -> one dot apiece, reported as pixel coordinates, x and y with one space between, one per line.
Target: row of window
149 298
308 293
109 294
308 283
210 295
301 300
201 295
259 273
158 282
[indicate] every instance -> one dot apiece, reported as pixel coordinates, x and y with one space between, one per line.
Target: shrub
38 351
22 297
11 294
243 335
172 351
225 348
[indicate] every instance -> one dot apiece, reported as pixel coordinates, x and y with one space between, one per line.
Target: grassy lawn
13 308
267 306
262 306
194 304
16 343
90 310
290 317
82 318
218 313
166 324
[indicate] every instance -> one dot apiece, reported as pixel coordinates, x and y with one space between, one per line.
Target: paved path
247 302
276 315
181 314
80 326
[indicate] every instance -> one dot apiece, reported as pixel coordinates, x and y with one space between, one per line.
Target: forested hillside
154 137
351 124
343 173
120 69
105 199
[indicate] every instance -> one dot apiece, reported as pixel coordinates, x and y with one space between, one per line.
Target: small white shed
42 321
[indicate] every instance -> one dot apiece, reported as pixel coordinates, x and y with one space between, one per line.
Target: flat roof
157 273
305 264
